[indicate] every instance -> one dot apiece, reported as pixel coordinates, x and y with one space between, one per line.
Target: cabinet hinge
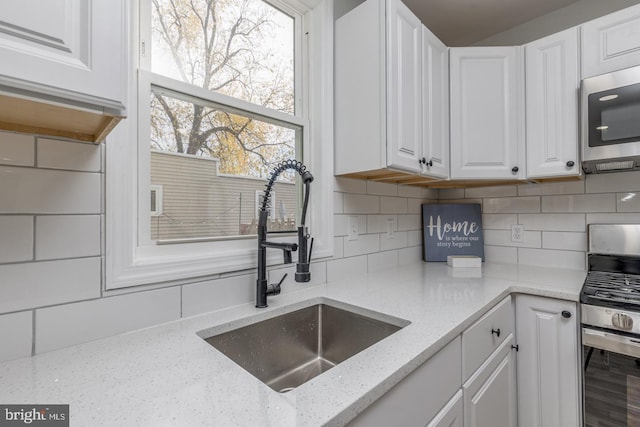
516 347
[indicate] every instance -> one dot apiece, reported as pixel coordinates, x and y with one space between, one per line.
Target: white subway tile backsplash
410 191
397 241
212 295
451 193
497 191
361 204
349 185
532 239
346 267
67 236
338 247
42 191
379 223
382 260
628 202
393 205
17 149
341 223
47 283
338 203
16 238
499 221
415 238
550 188
366 244
552 258
66 325
564 240
553 222
16 332
28 285
430 193
382 188
579 203
57 154
613 182
461 202
501 254
414 206
409 222
511 205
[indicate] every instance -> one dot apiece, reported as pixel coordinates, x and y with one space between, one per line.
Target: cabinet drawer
484 336
417 399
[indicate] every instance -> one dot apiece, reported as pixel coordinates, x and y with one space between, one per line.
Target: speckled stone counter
167 375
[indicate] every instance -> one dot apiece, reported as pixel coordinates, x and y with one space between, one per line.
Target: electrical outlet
517 233
352 226
390 226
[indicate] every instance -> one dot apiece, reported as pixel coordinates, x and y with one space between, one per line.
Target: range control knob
622 321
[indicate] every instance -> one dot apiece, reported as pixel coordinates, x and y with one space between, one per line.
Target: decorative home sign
452 230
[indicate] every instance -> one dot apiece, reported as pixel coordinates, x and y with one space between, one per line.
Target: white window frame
131 262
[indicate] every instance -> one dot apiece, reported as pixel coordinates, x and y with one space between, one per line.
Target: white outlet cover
517 233
352 228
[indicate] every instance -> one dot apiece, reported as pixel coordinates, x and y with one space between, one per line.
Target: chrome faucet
302 268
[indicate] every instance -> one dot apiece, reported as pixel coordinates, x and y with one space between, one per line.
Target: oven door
611 378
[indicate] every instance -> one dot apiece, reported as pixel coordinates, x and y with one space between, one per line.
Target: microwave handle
611 342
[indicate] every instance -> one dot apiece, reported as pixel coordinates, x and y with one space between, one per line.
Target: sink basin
290 349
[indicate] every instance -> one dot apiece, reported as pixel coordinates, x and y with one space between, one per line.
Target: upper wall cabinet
63 68
382 111
552 83
611 43
435 105
487 132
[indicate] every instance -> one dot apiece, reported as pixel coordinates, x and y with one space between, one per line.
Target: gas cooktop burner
612 281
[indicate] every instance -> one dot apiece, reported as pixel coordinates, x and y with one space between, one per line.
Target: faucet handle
274 288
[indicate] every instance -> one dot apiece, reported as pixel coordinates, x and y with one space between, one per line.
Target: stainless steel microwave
611 122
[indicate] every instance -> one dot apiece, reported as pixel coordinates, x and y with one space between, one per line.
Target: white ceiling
465 22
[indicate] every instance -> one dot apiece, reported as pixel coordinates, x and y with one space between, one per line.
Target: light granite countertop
168 376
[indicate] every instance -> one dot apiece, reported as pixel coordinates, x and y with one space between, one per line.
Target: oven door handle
611 342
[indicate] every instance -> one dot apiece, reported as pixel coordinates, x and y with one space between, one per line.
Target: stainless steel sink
290 349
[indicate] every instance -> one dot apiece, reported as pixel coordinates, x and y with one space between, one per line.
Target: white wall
561 19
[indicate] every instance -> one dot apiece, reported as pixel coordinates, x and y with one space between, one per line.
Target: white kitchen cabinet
548 362
487 112
424 395
404 87
435 105
552 88
611 42
490 394
63 53
379 99
452 415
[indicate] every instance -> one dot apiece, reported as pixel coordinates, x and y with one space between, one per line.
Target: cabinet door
552 83
548 365
611 43
451 415
487 138
404 87
490 394
435 106
73 49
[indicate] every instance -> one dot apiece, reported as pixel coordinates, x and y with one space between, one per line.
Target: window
241 49
223 90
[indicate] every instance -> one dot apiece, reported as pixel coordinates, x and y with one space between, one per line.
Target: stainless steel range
610 301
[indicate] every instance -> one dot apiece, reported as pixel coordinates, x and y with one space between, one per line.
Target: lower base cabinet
490 393
452 415
548 362
421 396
